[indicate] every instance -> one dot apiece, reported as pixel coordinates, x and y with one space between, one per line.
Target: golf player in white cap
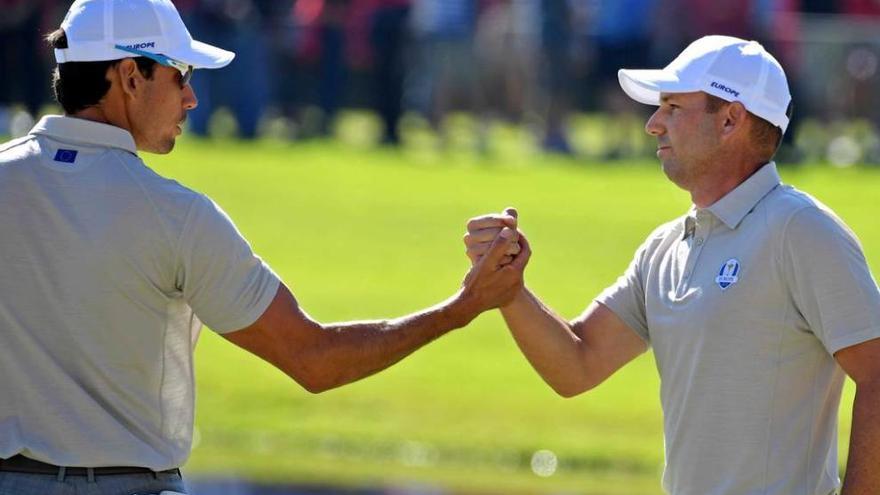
756 303
109 270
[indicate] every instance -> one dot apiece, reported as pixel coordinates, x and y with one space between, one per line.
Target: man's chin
672 170
162 148
676 174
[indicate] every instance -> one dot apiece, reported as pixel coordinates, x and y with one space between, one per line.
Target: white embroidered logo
729 274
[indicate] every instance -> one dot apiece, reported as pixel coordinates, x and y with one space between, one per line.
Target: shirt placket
695 242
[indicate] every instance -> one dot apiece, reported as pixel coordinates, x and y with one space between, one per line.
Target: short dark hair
766 135
79 85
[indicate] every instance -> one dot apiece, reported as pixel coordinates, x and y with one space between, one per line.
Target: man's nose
189 97
654 126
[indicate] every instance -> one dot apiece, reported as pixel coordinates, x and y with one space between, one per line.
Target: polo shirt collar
735 205
86 132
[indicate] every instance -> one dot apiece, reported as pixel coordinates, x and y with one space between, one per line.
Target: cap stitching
704 77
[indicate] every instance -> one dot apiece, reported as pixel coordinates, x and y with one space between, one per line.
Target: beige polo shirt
108 271
744 304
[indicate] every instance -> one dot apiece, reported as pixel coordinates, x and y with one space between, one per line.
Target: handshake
499 253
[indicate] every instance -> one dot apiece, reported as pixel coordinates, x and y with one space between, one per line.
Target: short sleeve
626 297
224 282
829 279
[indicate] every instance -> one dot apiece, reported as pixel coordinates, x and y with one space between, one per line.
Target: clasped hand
499 253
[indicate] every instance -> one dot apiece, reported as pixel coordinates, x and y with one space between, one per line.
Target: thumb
498 249
521 259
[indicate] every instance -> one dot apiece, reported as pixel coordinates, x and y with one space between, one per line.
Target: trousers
122 484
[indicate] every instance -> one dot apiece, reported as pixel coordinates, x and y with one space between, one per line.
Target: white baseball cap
729 68
99 30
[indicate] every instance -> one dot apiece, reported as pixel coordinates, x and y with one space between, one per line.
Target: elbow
307 372
314 387
569 390
566 393
313 384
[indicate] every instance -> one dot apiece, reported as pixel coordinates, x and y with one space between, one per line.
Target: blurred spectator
819 6
623 30
23 57
705 17
282 37
324 27
556 77
507 47
525 61
331 69
445 74
243 87
861 7
861 61
388 34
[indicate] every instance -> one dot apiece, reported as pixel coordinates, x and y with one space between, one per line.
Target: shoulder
17 149
803 223
158 200
163 192
797 213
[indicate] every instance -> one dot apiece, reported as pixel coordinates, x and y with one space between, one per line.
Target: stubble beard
675 172
685 176
162 147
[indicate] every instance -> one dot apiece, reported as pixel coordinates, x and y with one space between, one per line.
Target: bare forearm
548 342
354 350
862 473
320 357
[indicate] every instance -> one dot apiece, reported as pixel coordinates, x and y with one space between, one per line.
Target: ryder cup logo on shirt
729 274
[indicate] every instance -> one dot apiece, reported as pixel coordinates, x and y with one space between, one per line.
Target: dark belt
21 464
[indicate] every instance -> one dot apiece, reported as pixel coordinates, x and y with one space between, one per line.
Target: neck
95 114
727 178
110 110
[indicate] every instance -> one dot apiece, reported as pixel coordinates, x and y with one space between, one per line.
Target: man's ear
735 118
130 77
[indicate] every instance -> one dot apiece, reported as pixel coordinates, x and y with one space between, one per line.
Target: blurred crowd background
535 63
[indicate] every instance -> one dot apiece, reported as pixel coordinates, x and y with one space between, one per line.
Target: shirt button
699 241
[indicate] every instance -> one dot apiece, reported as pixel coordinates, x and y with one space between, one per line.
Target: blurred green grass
360 233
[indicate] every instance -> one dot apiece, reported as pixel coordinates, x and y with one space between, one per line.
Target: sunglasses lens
187 76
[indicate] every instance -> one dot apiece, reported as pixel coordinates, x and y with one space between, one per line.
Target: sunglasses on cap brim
186 70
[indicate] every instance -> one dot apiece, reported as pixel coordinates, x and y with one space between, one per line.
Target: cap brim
645 86
203 56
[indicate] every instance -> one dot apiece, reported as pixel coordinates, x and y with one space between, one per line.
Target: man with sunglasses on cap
109 269
757 302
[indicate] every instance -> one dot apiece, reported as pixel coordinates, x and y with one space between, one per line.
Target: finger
485 221
511 212
476 258
482 235
513 249
498 248
524 254
505 260
494 220
473 256
476 250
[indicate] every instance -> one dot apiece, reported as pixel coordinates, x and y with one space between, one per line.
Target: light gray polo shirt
744 304
108 271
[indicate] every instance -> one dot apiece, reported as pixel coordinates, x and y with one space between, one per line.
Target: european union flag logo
65 156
